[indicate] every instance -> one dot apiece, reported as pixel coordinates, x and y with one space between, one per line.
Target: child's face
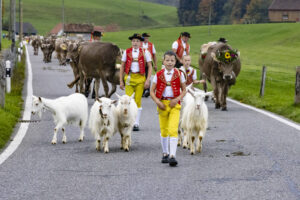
135 43
187 61
169 62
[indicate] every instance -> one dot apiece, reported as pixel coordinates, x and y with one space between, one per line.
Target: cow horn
213 55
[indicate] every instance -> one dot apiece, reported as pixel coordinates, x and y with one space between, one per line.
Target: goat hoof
126 149
53 142
184 147
64 142
106 151
80 140
192 153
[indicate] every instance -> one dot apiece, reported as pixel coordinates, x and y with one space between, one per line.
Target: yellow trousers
169 119
136 85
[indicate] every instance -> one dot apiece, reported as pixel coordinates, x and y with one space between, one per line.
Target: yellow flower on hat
227 55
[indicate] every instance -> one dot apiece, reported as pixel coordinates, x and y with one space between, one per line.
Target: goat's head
105 108
124 103
37 105
198 97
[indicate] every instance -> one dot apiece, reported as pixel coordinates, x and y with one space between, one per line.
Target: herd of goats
219 63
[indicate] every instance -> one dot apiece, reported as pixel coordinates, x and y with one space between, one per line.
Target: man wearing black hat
96 36
181 47
133 64
146 45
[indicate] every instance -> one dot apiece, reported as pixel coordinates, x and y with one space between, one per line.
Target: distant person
181 47
146 45
96 36
133 64
167 89
190 72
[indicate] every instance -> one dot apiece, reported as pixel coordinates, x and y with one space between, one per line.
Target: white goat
194 119
127 112
103 121
72 109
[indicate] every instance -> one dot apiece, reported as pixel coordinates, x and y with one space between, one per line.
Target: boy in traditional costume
181 47
167 89
190 72
133 64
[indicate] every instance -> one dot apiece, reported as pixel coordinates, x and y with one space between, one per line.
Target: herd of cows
218 62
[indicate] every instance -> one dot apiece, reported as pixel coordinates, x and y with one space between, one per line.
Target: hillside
129 14
276 46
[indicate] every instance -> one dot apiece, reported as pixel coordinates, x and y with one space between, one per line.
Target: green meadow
129 14
276 46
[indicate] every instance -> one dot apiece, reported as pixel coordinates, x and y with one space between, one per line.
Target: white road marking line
269 114
26 116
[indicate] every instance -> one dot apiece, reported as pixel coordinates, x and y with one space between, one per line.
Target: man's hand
155 68
161 105
147 84
122 87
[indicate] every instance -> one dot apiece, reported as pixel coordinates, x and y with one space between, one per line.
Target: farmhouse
284 11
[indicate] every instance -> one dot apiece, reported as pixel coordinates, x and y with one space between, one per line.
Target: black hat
222 40
97 33
136 36
145 35
186 34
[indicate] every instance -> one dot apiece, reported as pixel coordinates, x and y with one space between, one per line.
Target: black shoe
172 162
136 127
147 93
165 159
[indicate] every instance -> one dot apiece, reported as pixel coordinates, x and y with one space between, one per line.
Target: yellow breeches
169 119
136 85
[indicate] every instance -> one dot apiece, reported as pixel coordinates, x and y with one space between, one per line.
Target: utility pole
209 19
63 17
20 21
13 25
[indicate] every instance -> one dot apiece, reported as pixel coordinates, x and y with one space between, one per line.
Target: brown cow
98 60
61 47
221 73
47 48
36 43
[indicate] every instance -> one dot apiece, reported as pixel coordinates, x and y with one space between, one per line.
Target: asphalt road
246 155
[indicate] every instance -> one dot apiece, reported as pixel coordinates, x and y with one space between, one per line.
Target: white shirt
135 54
145 46
168 92
190 72
175 46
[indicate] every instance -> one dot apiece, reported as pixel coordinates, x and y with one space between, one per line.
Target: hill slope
276 46
129 14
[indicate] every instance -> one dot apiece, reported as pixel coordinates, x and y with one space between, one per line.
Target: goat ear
99 100
113 101
40 99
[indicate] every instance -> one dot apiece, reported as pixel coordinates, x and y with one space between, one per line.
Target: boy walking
167 90
190 73
181 47
133 64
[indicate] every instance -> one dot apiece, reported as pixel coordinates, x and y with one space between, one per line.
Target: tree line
198 12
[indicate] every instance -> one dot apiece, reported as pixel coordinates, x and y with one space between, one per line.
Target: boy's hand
147 84
173 103
122 87
161 105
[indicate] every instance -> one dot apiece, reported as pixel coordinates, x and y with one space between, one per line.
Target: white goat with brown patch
103 121
127 112
194 119
72 109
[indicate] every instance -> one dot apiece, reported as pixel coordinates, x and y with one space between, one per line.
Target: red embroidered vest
189 78
162 83
181 49
150 48
140 59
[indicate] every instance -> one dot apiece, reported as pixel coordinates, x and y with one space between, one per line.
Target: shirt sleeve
182 78
175 45
148 56
153 49
195 75
154 79
124 57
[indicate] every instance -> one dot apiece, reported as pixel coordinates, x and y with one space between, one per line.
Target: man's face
146 39
187 61
169 62
185 39
135 43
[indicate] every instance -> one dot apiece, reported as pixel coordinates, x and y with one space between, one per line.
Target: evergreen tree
257 11
187 11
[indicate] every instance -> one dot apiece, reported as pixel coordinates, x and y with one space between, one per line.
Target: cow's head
73 52
105 109
226 68
124 103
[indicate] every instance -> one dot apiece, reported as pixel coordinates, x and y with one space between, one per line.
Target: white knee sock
173 146
165 144
138 117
